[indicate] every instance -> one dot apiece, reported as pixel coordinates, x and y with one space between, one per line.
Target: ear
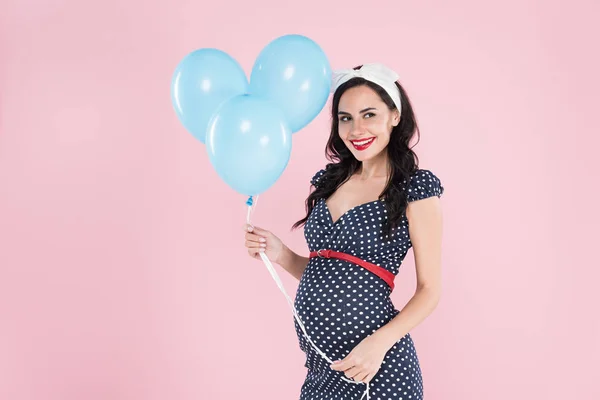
396 118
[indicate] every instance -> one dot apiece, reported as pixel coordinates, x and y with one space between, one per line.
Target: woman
370 205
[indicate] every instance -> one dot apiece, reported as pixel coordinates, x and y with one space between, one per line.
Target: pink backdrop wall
122 268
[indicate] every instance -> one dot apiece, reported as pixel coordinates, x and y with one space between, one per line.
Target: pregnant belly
340 304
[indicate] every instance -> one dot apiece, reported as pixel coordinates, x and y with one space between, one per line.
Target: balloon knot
249 202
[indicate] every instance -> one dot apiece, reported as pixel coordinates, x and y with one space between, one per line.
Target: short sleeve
317 178
424 184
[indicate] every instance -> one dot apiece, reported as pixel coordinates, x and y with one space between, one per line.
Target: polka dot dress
341 303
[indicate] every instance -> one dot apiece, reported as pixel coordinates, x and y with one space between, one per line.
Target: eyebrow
360 112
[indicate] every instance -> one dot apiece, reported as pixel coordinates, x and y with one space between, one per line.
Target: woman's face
365 122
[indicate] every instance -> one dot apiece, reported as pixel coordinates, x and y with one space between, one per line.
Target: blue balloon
293 72
202 81
249 143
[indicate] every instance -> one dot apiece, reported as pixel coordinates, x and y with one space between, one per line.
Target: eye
369 113
344 118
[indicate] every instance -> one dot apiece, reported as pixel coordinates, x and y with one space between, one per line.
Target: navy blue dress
341 303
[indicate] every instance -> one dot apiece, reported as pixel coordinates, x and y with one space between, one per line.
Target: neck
376 167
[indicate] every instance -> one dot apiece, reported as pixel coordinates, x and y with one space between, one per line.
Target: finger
337 365
361 377
260 231
342 365
255 245
255 253
353 372
369 378
256 238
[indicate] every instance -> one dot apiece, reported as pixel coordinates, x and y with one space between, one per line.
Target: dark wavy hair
342 163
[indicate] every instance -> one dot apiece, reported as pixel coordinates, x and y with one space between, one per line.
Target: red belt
381 272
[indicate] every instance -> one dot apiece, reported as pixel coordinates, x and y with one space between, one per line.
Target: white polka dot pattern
341 303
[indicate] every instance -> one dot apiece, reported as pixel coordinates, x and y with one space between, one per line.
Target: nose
357 129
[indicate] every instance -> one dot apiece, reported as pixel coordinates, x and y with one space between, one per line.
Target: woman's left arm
425 229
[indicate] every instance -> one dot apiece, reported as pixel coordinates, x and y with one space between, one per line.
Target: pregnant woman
370 205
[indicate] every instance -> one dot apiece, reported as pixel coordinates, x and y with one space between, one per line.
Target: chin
365 155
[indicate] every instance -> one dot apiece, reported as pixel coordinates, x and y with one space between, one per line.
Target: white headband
376 73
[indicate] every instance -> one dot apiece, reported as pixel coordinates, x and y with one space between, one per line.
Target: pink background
122 268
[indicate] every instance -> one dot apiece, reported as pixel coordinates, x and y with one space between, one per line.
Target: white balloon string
251 205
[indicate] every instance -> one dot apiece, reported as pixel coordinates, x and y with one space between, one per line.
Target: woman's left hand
363 362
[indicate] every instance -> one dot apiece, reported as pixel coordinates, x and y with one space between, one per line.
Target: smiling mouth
362 144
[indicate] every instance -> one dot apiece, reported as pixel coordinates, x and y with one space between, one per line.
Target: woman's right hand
260 240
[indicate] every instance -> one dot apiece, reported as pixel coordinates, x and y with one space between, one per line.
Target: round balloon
202 81
249 143
295 73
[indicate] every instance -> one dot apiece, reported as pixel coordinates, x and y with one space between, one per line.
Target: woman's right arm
293 263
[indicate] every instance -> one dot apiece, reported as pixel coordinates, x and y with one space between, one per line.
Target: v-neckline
347 211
